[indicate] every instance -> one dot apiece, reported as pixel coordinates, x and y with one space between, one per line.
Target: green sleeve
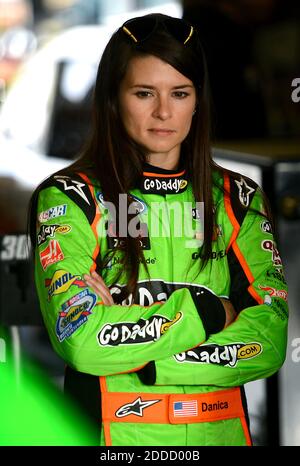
88 335
254 345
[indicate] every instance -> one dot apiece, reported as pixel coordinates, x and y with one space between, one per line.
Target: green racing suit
159 368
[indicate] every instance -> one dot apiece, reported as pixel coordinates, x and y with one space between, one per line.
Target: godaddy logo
222 355
143 331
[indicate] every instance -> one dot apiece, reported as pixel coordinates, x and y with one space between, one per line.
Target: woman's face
157 104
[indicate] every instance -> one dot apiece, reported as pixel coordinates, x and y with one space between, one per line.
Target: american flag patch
185 408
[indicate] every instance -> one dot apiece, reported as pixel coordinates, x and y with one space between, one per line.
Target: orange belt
157 408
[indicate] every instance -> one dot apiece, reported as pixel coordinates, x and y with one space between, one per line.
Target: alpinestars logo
244 192
136 407
73 185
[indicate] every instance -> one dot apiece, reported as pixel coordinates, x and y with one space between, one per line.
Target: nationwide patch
61 281
52 212
221 355
48 231
51 254
74 313
143 331
137 204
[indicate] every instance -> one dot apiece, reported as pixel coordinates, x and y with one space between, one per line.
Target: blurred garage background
49 51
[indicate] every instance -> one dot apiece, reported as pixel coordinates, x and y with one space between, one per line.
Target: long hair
117 161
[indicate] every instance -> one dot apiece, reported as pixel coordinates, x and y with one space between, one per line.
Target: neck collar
156 180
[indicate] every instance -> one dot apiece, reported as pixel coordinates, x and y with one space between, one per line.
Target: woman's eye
143 94
180 94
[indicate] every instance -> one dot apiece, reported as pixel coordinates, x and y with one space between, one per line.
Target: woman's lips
161 131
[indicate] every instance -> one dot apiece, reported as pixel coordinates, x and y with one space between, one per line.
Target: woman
157 272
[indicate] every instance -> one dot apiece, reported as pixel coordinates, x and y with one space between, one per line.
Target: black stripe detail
242 191
147 374
245 407
162 171
210 310
239 295
77 190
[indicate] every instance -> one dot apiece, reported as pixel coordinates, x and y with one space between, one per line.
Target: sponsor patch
244 192
269 245
61 282
266 226
139 205
136 407
74 313
73 185
53 212
143 331
277 275
221 355
274 293
51 254
167 185
48 231
215 255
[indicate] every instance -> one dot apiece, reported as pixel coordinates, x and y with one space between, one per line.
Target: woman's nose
162 109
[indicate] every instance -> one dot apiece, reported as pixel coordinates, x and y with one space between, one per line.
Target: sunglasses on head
141 28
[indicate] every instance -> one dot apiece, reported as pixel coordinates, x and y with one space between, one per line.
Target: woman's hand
97 284
230 311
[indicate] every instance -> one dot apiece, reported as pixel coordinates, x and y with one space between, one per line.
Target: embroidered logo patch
74 313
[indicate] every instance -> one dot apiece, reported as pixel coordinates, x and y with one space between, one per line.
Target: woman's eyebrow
148 86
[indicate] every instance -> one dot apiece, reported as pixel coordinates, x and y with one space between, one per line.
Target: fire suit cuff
210 309
147 374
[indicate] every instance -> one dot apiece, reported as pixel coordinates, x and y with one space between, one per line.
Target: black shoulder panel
242 190
77 190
